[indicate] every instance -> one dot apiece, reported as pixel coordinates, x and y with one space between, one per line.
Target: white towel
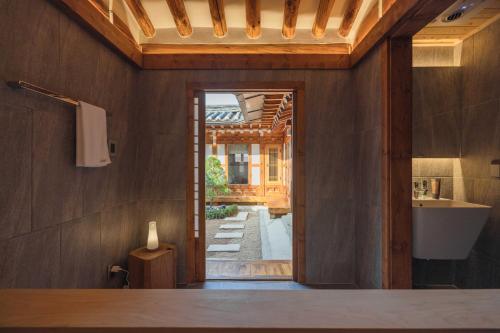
91 136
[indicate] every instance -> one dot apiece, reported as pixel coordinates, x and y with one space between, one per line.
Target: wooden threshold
249 270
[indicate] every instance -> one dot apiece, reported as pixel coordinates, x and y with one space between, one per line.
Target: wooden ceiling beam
259 49
252 10
218 17
350 15
274 96
181 19
141 17
99 22
403 18
290 18
322 15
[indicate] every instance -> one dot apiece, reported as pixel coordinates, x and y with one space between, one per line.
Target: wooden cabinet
152 269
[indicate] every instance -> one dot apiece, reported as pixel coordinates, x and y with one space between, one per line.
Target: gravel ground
250 246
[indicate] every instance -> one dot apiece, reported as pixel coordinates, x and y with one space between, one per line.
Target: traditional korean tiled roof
223 114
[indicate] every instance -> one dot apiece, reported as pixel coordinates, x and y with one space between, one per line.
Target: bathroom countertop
41 310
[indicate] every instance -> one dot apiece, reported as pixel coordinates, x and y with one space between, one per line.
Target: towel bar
45 92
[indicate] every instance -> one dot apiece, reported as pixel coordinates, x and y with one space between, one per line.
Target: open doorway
248 171
244 203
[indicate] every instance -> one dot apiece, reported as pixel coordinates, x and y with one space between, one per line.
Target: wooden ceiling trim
403 18
252 11
115 20
290 15
218 17
257 49
97 21
350 15
141 17
323 13
245 61
181 19
386 4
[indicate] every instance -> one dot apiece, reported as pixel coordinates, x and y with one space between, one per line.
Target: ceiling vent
459 10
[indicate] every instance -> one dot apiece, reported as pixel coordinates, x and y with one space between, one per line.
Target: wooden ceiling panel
450 33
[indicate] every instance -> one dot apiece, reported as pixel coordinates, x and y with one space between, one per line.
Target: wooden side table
152 269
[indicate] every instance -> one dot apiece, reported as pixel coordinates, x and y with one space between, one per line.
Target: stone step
224 248
242 216
229 235
232 226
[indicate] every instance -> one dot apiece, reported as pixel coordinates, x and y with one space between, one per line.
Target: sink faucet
420 189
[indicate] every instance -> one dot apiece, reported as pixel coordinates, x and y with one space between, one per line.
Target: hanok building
253 142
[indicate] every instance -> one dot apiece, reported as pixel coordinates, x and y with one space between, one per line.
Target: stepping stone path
240 217
224 248
229 235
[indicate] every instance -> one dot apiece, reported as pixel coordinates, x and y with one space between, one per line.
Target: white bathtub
446 229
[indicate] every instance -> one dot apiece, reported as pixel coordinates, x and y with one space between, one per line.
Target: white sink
446 229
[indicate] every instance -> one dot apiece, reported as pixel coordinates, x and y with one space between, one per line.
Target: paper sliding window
238 164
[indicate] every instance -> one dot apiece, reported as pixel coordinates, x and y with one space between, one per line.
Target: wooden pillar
396 163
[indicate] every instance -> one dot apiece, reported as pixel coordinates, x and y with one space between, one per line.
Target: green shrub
215 179
220 212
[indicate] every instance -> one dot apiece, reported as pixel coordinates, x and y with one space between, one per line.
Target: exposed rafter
252 10
350 15
181 19
399 18
282 107
218 17
142 17
290 18
322 15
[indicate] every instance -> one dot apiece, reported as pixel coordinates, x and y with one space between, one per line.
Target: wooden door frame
396 120
195 250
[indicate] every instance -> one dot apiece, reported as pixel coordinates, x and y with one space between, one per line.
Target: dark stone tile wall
330 251
367 147
60 226
478 143
437 102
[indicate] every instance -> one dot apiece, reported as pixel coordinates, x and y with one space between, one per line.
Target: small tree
215 179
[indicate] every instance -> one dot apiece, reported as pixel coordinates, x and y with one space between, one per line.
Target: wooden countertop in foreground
38 310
